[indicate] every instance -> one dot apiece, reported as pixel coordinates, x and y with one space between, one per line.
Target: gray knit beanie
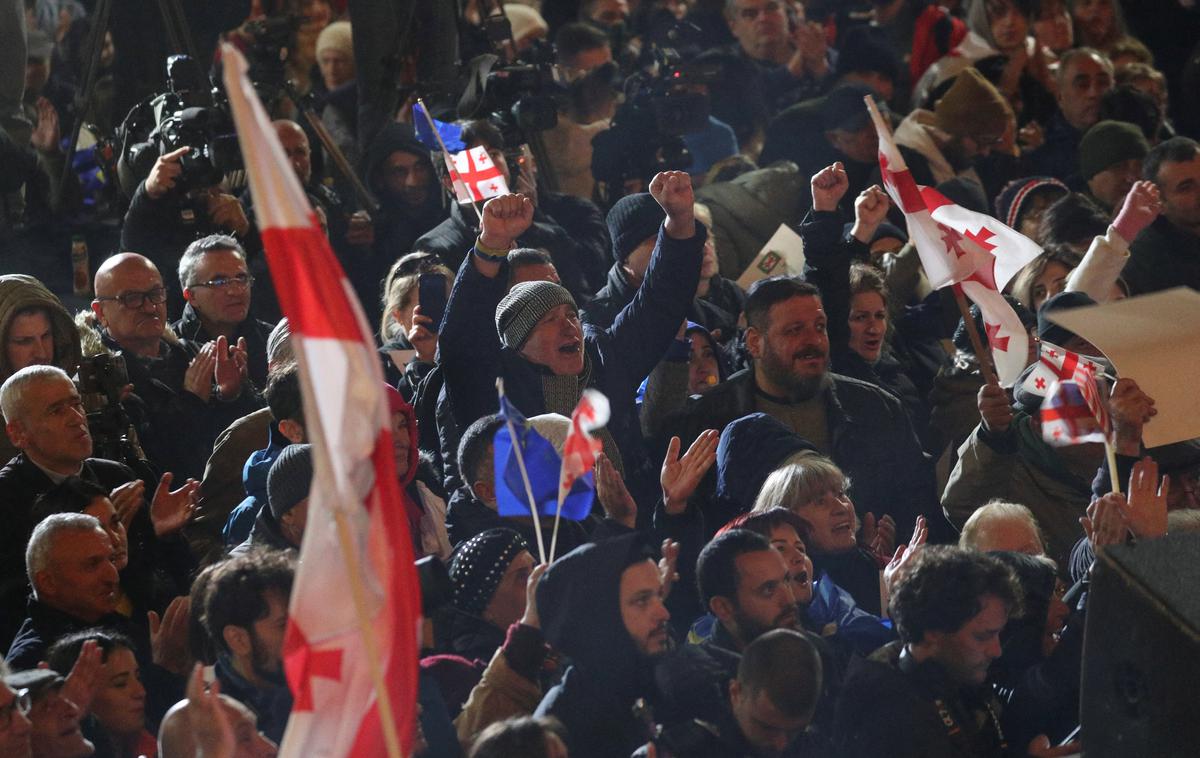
524 306
290 479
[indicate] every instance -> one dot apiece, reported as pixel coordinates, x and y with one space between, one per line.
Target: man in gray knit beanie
540 347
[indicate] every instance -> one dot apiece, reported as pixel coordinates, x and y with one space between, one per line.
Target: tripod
178 37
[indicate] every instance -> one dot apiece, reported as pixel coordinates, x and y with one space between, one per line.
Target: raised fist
505 218
828 186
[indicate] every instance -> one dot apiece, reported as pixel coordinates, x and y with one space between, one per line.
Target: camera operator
35 329
571 229
163 218
184 394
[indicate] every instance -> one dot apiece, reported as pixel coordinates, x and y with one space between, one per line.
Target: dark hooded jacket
1040 693
579 604
398 226
19 292
254 480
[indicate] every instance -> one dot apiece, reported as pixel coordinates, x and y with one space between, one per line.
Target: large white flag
350 652
962 247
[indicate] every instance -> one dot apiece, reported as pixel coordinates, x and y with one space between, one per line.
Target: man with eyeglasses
184 393
217 287
778 59
14 718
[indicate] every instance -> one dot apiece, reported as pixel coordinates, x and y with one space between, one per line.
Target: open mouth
571 348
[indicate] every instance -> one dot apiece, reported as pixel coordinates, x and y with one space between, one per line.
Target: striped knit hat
524 306
1011 200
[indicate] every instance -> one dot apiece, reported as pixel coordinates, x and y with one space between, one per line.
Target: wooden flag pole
455 176
533 511
986 367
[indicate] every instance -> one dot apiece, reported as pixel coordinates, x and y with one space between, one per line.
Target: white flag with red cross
960 246
478 173
350 649
1074 412
1058 364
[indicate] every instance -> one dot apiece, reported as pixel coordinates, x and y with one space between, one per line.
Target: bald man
351 232
177 737
184 393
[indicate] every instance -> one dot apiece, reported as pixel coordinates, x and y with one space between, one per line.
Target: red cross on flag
479 177
350 649
1073 413
960 246
1056 363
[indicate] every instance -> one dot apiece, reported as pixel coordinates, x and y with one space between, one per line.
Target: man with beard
602 605
861 427
746 584
927 693
245 615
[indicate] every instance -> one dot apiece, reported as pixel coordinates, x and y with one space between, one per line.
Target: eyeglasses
237 282
749 14
21 703
135 300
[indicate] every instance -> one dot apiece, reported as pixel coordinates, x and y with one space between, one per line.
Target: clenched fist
673 191
505 218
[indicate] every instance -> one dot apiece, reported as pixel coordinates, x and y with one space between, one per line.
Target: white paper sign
783 254
1155 340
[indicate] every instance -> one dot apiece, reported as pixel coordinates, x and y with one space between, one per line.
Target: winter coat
223 487
175 427
254 480
579 603
1058 155
871 440
618 292
1019 467
22 482
889 708
19 292
1101 267
749 209
1163 256
509 685
887 373
255 332
574 250
617 358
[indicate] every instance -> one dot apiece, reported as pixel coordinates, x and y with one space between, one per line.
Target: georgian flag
1058 364
960 246
581 448
478 178
1074 412
350 649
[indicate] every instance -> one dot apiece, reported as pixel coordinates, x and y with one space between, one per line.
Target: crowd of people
818 529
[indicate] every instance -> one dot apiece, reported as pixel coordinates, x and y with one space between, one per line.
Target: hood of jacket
20 291
1021 639
749 450
392 138
579 603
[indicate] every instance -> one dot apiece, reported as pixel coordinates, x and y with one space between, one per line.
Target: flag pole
562 495
533 511
977 344
986 367
383 700
446 155
1111 455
